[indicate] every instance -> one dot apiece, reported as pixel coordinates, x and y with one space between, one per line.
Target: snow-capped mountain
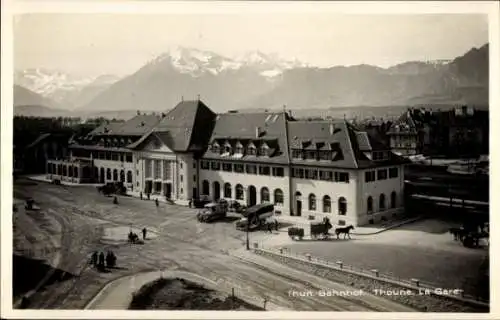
197 62
68 90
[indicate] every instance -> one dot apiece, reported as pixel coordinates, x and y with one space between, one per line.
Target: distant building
306 168
403 135
47 147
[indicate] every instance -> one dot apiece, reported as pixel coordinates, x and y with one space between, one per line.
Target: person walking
149 195
276 225
157 202
144 231
93 259
270 227
140 195
101 261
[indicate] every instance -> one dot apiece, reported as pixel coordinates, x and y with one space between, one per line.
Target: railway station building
306 168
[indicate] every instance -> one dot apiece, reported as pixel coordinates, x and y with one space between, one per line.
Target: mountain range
257 80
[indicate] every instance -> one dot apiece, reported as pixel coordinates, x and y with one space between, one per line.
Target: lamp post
247 232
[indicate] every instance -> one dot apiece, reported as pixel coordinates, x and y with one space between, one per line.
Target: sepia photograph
247 160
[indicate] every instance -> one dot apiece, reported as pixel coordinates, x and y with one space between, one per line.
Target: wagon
296 233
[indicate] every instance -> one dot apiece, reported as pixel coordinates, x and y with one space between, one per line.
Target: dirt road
181 244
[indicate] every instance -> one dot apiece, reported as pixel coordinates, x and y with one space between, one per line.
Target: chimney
332 128
257 132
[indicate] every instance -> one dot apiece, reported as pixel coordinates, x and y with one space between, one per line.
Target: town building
312 169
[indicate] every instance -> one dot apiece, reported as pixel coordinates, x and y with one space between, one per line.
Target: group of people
99 261
273 225
157 203
133 237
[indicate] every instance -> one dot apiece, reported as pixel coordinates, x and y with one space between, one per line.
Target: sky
120 44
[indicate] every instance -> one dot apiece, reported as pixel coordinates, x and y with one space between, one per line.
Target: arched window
369 204
70 171
264 195
205 188
327 204
75 172
122 176
381 202
239 192
278 197
342 206
65 171
312 202
393 200
227 190
115 175
129 176
108 174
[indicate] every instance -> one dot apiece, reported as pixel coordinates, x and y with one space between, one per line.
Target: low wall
418 297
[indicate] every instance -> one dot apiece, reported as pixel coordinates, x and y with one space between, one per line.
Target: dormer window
264 150
252 150
379 155
239 148
228 149
297 154
215 148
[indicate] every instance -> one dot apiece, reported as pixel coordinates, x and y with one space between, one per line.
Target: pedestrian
276 225
270 227
140 194
144 231
190 203
109 259
101 261
115 200
93 259
157 202
149 195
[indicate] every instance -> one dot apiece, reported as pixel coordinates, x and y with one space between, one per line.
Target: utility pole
247 232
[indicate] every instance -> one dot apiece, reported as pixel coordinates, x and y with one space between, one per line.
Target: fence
414 284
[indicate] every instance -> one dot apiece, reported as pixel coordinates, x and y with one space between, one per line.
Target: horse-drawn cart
318 230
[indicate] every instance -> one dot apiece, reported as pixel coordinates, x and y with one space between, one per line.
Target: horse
344 230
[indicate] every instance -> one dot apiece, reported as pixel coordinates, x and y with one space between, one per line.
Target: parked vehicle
201 201
212 212
112 188
255 216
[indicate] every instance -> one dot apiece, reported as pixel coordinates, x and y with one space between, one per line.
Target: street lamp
247 231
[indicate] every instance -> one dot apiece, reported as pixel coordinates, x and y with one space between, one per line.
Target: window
215 165
312 174
298 173
129 158
312 202
369 176
227 167
393 200
239 192
129 176
278 172
180 164
239 148
278 197
310 155
369 205
215 148
393 173
297 154
194 165
228 149
122 176
382 174
264 170
108 155
157 169
264 195
381 202
108 174
227 190
238 167
341 223
149 168
342 206
205 165
167 175
182 178
264 150
205 187
251 168
379 155
137 171
325 175
115 175
327 204
342 177
325 155
194 178
252 150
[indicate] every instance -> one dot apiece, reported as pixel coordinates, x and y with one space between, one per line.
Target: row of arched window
382 205
63 170
108 175
326 204
239 191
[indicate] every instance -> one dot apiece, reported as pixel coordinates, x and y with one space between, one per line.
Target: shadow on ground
29 272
